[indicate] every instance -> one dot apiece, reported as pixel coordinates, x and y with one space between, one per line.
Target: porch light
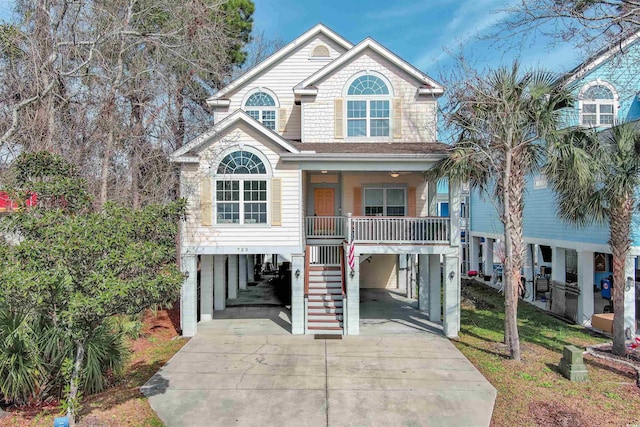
627 286
323 171
394 174
297 273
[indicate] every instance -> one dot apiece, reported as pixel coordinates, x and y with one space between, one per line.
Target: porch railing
325 227
429 230
375 229
328 255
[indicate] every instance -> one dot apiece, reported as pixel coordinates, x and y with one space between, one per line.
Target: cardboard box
603 322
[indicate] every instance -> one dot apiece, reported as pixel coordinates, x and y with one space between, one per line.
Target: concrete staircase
325 300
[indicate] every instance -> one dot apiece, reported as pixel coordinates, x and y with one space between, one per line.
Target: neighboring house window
320 51
443 209
241 195
261 106
597 104
539 181
385 201
368 107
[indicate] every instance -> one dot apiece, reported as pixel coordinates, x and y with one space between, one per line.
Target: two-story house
318 154
606 89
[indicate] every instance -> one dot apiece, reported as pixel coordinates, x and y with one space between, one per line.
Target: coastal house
575 261
318 155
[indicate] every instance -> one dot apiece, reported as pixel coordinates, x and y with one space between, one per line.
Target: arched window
241 189
262 106
320 51
368 107
597 104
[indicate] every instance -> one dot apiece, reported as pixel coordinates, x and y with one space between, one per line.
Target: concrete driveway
245 369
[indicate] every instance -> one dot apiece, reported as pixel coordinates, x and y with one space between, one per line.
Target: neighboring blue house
607 89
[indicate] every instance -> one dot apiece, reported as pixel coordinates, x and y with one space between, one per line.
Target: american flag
351 257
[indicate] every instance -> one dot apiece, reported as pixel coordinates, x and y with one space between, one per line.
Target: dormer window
598 102
262 106
368 107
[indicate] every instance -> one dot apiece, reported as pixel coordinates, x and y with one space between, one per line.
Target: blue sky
421 32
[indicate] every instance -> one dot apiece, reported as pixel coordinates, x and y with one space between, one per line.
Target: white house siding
242 238
380 272
353 180
419 114
282 77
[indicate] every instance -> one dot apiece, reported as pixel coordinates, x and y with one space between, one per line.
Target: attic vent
320 51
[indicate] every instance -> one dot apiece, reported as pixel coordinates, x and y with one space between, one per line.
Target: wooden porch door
324 206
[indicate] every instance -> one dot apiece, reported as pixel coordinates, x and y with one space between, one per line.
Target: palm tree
500 119
595 176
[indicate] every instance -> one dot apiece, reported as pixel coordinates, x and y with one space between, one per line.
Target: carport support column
529 271
487 257
206 287
435 284
251 262
353 297
297 294
189 296
585 284
451 324
402 275
219 299
423 282
558 267
232 291
242 272
630 296
474 254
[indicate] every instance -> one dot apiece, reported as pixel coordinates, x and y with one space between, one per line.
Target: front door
323 202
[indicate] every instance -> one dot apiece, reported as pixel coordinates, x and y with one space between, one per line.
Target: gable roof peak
319 28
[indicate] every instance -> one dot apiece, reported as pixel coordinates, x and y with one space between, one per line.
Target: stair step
319 310
322 285
325 299
324 317
325 331
325 273
321 267
325 291
324 324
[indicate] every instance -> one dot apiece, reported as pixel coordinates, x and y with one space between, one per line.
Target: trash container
61 422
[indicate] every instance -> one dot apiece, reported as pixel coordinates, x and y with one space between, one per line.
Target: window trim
261 109
384 188
367 99
615 103
241 179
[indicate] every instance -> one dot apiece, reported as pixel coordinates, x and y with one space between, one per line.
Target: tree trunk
620 230
513 243
104 173
74 385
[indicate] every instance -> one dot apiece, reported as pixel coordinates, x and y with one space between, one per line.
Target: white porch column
451 323
630 296
558 267
402 275
189 296
487 256
529 271
206 287
435 284
297 294
242 272
585 283
432 198
251 262
455 201
474 253
353 297
219 276
232 280
423 282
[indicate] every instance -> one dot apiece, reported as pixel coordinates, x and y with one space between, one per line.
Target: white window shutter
338 118
206 205
282 119
397 117
276 201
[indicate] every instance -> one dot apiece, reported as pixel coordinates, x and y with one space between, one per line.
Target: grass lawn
532 392
122 405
